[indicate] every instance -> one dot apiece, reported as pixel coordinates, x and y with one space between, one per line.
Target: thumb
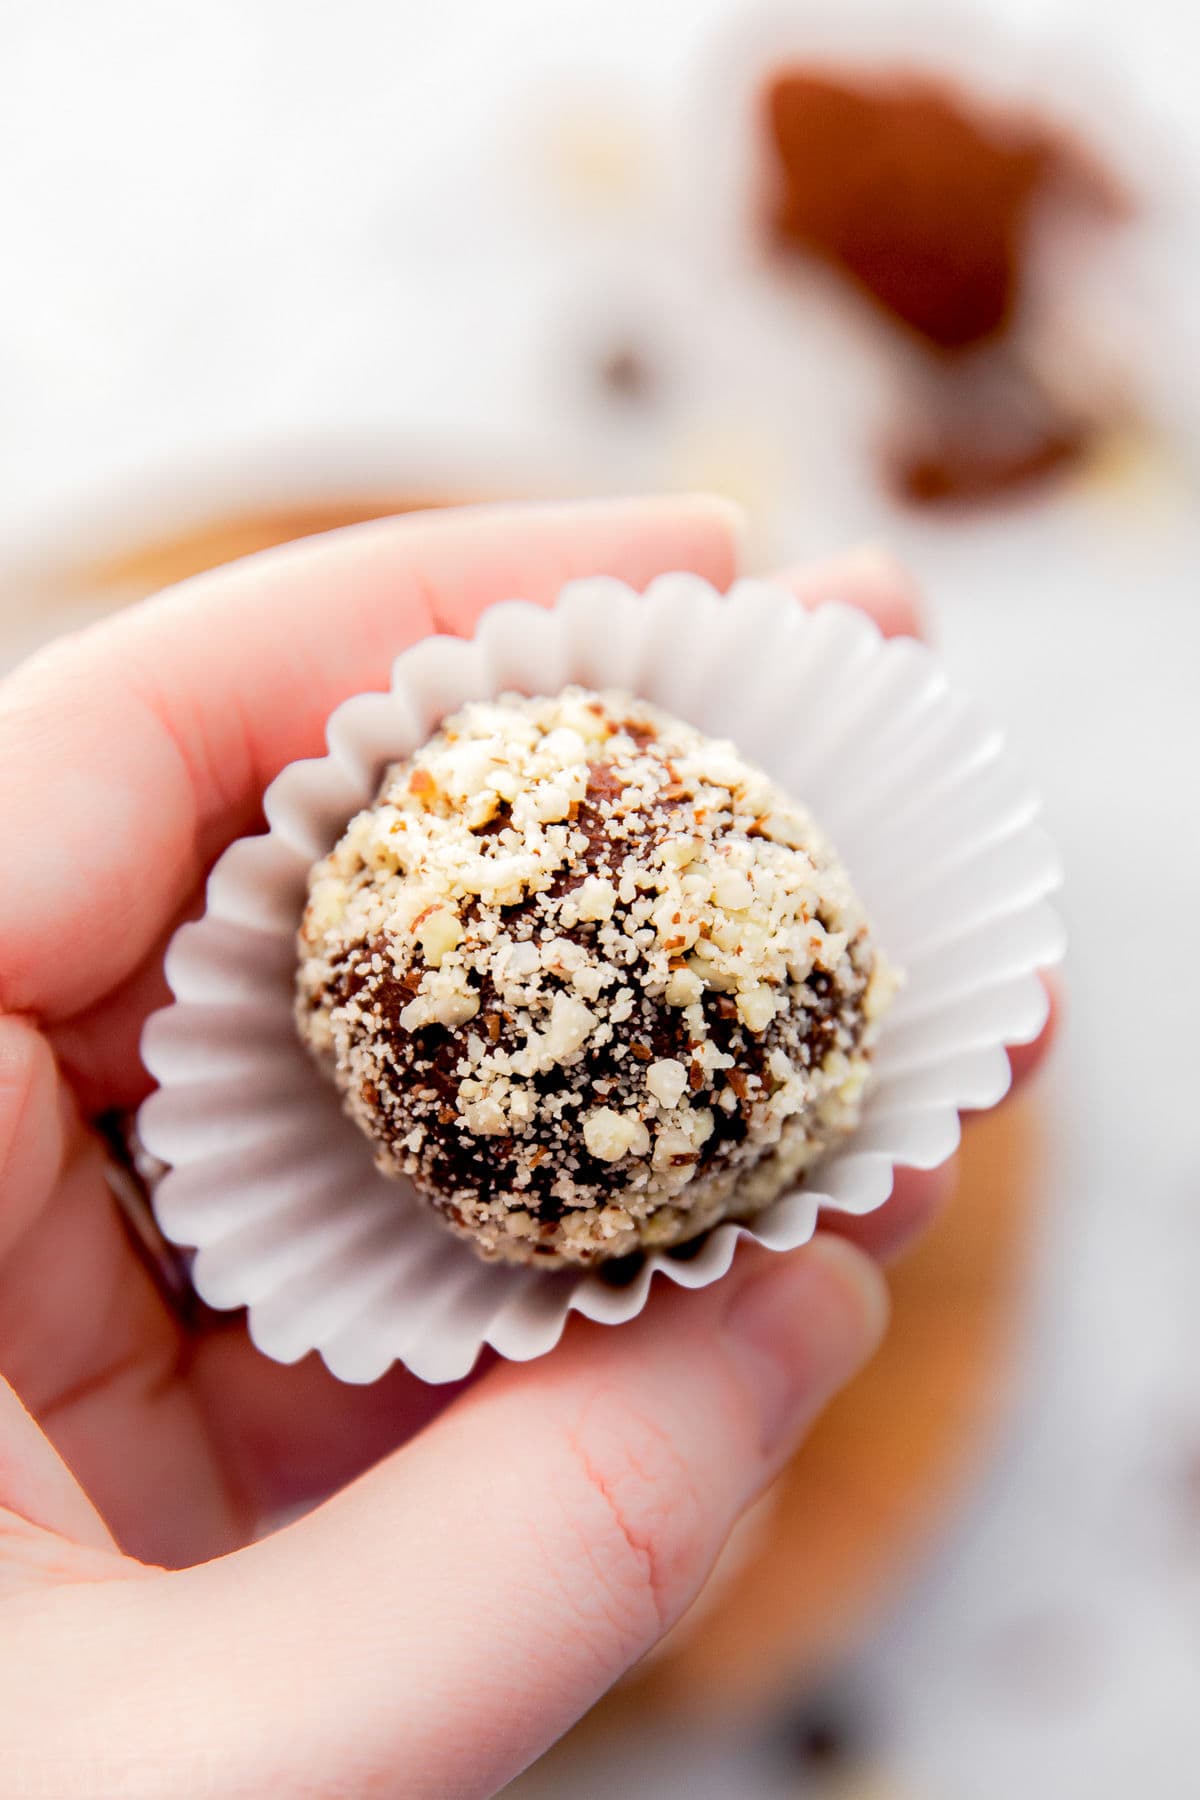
441 1622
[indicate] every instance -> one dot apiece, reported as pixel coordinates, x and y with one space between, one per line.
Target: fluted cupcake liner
275 1189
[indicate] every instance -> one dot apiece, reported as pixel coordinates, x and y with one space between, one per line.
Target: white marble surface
235 256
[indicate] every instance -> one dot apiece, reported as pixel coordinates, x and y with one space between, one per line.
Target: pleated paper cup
275 1189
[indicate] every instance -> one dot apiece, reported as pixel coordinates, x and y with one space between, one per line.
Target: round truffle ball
588 978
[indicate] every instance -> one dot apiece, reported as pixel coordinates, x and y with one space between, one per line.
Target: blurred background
922 278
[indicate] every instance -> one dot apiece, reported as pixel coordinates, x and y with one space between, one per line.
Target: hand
446 1615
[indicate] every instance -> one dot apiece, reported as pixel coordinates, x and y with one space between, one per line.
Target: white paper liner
276 1189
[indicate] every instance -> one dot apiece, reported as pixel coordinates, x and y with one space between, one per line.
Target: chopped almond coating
589 979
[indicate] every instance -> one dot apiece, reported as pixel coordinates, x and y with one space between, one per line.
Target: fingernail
870 558
732 515
799 1329
732 511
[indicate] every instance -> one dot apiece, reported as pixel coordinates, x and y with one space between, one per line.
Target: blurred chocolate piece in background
984 426
626 374
931 202
924 197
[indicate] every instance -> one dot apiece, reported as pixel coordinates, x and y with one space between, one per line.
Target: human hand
445 1616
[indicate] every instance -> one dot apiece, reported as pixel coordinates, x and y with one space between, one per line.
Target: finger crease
640 1542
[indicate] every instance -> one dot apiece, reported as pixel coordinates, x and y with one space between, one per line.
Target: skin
448 1608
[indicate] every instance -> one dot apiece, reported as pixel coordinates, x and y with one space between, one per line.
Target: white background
249 245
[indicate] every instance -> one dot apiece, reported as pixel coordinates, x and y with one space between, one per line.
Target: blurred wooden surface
144 567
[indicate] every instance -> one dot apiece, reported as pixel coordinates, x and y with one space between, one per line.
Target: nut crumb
589 979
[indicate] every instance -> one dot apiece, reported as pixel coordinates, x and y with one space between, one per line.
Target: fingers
40 1496
916 1200
85 1342
547 1530
437 1625
99 1049
1026 1059
148 740
290 1434
32 1139
867 578
98 1046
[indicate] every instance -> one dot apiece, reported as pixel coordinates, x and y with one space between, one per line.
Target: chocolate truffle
588 978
